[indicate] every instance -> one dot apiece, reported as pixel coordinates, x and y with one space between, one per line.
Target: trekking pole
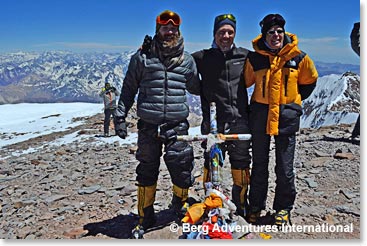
214 135
220 137
216 159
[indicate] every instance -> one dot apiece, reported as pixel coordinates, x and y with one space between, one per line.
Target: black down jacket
161 91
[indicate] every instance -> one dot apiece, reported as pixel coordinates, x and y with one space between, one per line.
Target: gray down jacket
161 91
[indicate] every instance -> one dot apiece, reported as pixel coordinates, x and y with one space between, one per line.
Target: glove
167 136
120 127
145 48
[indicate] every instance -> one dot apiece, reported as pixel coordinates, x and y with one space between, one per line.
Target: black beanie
271 20
218 22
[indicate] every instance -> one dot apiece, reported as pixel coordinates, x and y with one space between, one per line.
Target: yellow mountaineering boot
282 217
146 198
241 180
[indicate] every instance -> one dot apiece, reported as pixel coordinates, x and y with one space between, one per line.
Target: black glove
120 127
167 136
145 48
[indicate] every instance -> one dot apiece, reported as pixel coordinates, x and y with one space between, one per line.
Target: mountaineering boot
282 217
137 232
146 197
179 202
253 215
241 180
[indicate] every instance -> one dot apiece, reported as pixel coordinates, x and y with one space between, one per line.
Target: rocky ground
86 190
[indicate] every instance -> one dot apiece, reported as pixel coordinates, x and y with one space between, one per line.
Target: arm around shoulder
248 74
193 82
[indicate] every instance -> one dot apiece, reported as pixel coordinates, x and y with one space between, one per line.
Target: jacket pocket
289 119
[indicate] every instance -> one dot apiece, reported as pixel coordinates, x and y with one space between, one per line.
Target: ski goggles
168 16
225 16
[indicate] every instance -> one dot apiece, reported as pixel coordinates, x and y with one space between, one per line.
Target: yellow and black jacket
283 78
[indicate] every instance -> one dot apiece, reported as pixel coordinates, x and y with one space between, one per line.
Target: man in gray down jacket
158 73
221 82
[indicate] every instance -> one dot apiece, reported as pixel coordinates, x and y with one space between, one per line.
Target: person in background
220 68
283 76
109 94
355 43
159 72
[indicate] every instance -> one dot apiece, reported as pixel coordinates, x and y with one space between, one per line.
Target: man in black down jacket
160 72
221 82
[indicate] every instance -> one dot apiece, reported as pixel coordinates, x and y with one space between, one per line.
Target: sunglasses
272 32
225 16
168 16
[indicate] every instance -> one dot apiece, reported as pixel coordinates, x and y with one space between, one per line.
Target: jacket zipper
165 94
264 82
285 85
229 87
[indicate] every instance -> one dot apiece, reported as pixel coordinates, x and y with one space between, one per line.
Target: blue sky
322 26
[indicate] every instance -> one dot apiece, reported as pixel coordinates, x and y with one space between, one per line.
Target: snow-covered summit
335 100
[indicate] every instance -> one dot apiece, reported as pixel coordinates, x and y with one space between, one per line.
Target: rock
87 189
311 182
75 233
133 149
330 219
347 194
319 153
348 156
319 161
348 210
54 198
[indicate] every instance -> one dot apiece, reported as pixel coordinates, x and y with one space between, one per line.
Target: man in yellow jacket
282 76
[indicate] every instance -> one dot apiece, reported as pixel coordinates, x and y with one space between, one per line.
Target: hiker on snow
283 76
109 94
160 71
221 82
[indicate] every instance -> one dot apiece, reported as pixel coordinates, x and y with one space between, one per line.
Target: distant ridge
61 76
326 68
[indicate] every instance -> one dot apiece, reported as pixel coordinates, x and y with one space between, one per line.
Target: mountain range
61 76
58 76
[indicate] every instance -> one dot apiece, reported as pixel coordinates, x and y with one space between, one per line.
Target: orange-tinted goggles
168 16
